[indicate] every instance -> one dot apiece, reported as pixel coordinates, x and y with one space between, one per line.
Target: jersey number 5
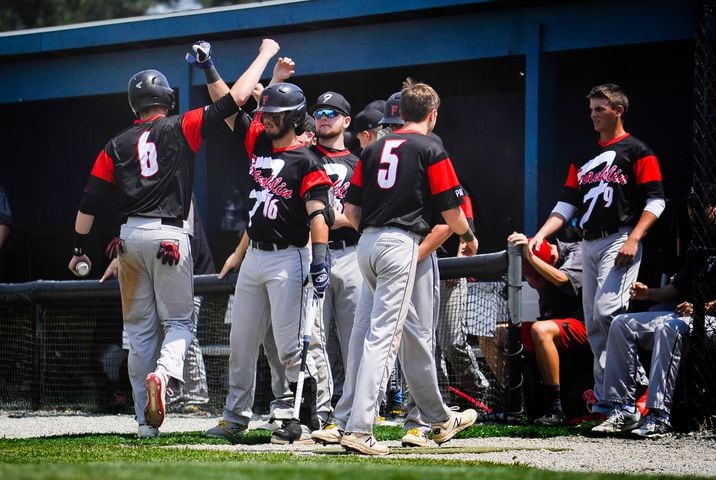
147 152
388 164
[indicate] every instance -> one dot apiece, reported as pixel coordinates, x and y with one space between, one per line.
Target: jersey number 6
147 156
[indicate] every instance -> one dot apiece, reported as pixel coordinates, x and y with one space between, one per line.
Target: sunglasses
325 113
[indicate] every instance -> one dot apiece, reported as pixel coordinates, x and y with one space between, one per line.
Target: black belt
340 244
268 246
593 234
174 222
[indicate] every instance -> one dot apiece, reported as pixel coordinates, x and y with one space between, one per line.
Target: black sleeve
215 114
97 192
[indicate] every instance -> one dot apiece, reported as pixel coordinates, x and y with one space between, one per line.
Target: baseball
82 269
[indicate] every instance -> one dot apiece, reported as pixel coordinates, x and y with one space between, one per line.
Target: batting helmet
285 97
149 88
392 111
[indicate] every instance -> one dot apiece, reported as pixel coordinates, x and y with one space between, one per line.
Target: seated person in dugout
555 271
665 334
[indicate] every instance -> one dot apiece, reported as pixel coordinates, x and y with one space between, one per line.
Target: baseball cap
366 119
332 100
534 279
392 111
377 105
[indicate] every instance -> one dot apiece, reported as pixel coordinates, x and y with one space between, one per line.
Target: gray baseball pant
156 304
270 285
605 294
387 258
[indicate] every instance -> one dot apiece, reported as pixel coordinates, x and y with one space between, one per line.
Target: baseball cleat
147 431
458 421
364 443
329 435
619 421
226 430
414 438
155 410
285 436
551 419
653 426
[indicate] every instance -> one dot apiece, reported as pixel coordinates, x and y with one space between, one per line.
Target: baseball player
665 334
331 114
288 199
398 182
151 163
456 363
614 188
555 271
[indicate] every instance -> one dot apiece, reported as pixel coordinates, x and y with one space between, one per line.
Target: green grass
126 457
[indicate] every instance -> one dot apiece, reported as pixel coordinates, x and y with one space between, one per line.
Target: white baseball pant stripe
157 305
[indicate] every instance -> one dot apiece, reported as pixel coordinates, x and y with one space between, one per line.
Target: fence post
513 403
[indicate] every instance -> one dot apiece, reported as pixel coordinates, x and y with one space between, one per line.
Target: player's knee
543 332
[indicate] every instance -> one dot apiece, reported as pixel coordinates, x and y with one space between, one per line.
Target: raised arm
243 87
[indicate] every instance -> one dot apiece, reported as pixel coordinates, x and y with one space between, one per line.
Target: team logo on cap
327 97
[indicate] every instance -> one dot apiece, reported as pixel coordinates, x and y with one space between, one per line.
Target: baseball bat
294 428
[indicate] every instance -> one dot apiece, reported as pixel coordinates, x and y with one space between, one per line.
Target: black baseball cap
376 104
332 100
366 119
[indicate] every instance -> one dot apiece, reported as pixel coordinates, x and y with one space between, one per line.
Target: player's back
153 168
396 189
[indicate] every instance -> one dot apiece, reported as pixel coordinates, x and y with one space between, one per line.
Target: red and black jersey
282 179
401 180
339 165
151 163
609 183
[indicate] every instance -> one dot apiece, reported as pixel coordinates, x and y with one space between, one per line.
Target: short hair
611 92
417 100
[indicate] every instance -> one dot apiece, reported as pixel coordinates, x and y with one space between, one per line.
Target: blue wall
50 76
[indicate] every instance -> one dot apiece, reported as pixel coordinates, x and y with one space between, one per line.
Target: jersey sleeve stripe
357 178
103 167
571 181
314 179
191 126
646 169
442 177
467 208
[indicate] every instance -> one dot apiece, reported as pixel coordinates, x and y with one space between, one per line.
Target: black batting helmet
149 88
391 116
285 97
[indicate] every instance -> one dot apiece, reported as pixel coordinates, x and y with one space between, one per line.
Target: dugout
512 77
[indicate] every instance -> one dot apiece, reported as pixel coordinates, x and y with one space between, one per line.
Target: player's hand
169 252
114 248
536 240
256 92
710 307
470 248
627 253
684 309
112 271
77 259
269 47
233 262
320 278
201 58
639 291
284 68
